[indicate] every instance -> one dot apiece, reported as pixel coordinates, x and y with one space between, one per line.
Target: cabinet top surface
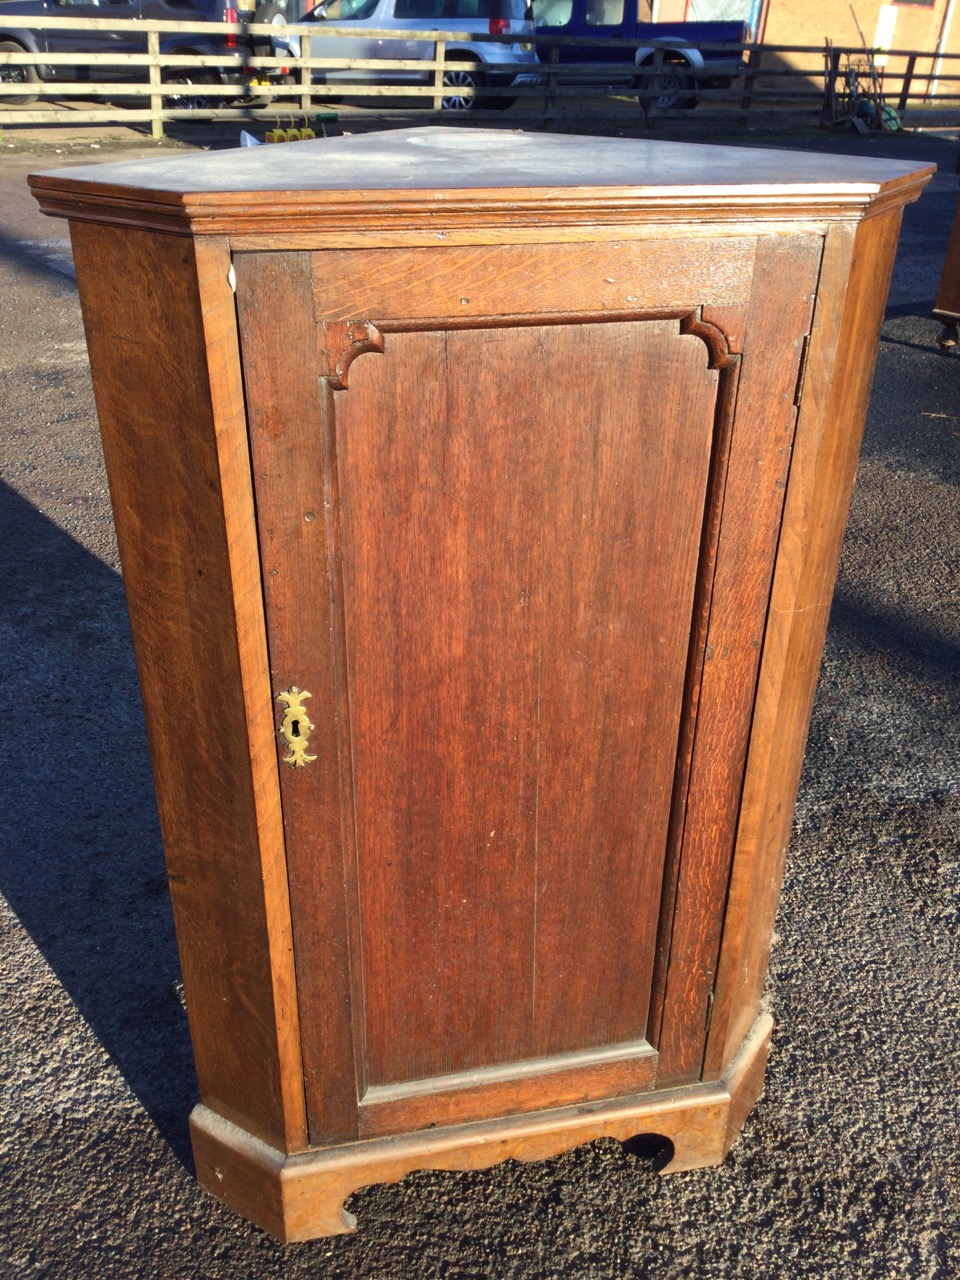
445 158
429 170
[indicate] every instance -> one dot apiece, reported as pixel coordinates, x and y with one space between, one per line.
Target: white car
480 65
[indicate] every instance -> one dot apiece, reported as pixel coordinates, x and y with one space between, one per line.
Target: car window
552 13
604 13
484 9
354 10
418 8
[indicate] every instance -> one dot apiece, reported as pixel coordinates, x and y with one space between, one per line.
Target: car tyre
462 75
670 90
16 75
190 99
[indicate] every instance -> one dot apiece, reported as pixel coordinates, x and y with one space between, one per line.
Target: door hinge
802 371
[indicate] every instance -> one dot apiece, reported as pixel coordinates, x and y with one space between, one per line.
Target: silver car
480 65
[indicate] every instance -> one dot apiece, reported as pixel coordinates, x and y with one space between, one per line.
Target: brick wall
811 22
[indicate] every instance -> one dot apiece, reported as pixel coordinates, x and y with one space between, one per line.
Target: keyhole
295 729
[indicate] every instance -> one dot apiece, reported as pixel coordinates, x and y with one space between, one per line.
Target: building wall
813 21
916 27
670 11
911 26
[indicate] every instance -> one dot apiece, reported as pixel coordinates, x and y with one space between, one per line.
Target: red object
499 26
230 15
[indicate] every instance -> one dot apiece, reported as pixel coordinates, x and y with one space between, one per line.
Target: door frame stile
228 404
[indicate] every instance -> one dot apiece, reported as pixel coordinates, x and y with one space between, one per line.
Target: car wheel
670 89
191 99
12 74
462 76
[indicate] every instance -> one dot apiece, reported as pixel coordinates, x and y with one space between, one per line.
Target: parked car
481 65
689 63
17 35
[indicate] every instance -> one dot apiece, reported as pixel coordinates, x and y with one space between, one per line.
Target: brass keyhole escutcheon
295 728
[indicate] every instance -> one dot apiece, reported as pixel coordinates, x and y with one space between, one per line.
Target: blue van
686 66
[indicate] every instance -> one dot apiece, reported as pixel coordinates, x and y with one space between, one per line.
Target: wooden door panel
461 282
493 617
441 675
533 1084
623 515
517 604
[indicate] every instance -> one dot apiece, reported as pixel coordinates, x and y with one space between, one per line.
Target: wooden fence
804 77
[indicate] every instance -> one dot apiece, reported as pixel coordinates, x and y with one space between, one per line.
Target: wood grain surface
777 322
512 663
537 280
165 377
515 638
853 288
532 1085
948 292
295 484
530 480
301 1197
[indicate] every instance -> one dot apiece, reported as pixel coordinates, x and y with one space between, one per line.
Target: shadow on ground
82 864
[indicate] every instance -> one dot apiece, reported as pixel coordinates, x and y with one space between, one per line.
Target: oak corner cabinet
479 497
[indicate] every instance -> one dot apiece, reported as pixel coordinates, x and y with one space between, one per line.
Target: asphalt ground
850 1164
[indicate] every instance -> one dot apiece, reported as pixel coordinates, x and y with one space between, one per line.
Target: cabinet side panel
778 320
145 333
948 294
853 289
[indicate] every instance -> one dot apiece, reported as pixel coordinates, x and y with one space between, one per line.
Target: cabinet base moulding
301 1197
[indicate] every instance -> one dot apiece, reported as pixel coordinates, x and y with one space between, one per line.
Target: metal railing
233 84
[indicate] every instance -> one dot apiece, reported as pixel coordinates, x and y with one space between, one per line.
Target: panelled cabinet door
514 508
